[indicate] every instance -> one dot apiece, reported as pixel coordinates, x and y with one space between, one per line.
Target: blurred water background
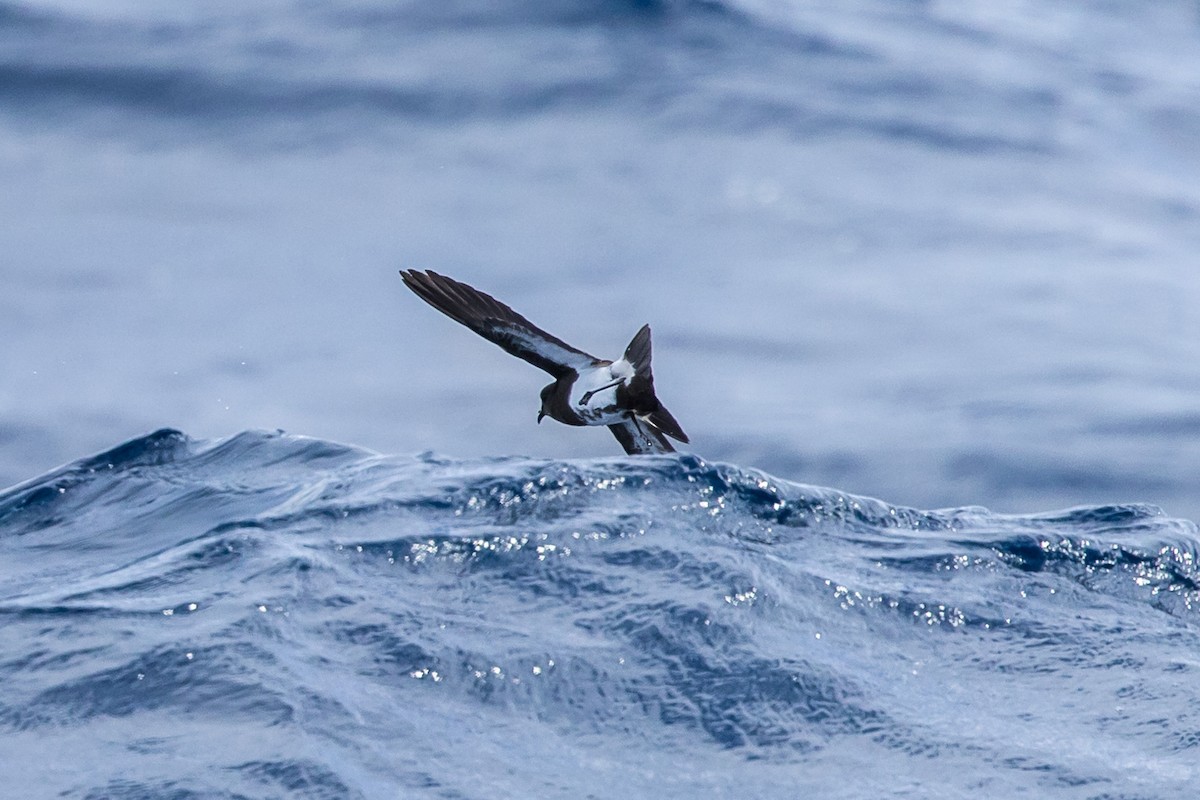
938 253
941 253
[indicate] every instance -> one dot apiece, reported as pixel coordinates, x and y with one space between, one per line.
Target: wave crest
688 604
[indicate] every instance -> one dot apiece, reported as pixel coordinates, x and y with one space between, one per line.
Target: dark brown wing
497 323
663 420
640 437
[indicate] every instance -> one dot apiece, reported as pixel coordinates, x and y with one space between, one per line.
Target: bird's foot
583 401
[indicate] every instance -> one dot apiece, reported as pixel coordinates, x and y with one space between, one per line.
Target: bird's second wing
496 322
639 437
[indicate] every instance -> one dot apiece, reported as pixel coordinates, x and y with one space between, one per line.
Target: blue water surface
271 615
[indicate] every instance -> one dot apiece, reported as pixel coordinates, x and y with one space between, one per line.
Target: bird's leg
583 401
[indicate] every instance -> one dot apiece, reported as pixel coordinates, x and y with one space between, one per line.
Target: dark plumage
586 390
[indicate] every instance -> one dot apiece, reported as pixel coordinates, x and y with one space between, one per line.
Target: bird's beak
540 415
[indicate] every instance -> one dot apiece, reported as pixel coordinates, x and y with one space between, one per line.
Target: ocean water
941 254
278 616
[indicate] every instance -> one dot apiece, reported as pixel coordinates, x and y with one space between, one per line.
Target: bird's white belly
601 407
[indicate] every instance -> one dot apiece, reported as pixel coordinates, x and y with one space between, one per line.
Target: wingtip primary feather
665 421
495 321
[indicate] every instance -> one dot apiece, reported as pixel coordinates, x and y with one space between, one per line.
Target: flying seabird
586 390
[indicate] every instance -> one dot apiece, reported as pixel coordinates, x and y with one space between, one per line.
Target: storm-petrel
586 390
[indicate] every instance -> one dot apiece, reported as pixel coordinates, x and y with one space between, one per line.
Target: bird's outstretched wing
639 437
496 322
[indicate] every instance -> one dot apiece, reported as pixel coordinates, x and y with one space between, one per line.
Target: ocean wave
272 481
271 582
